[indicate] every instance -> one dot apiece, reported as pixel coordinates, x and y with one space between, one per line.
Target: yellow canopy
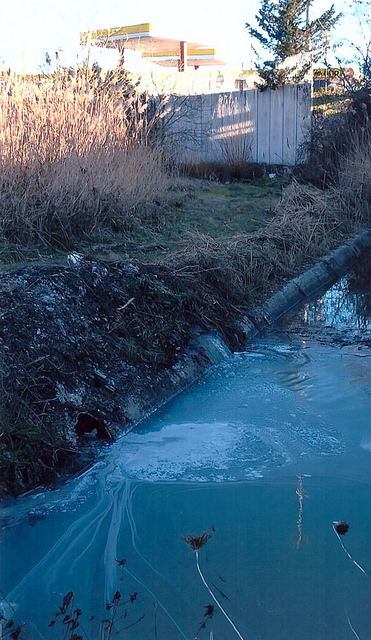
140 37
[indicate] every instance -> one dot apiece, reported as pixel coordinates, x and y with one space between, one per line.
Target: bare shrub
324 148
334 138
354 177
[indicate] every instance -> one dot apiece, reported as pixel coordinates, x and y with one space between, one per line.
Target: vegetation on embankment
165 257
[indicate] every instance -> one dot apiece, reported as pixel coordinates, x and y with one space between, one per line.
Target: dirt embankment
86 348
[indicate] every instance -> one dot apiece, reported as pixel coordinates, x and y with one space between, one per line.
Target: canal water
263 453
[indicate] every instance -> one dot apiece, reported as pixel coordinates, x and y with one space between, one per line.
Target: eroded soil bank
89 348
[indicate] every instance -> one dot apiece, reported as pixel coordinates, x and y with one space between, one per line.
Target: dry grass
307 224
73 158
46 119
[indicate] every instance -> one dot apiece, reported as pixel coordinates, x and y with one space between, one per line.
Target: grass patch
201 206
183 206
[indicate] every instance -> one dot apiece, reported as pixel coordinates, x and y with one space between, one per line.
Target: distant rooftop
164 51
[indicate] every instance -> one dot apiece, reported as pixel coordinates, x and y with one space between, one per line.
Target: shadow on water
262 454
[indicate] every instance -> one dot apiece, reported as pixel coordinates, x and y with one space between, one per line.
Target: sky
30 28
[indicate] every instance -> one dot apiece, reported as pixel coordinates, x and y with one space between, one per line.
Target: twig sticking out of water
340 528
155 621
210 609
108 625
196 542
300 493
8 615
69 616
351 626
215 599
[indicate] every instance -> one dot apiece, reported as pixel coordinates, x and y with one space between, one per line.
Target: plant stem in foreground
336 528
215 599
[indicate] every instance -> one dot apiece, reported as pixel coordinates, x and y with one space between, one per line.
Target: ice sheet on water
243 419
222 451
68 497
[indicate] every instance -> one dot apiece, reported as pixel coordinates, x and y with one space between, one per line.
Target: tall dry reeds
73 157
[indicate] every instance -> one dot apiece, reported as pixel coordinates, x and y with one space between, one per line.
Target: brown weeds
197 542
73 158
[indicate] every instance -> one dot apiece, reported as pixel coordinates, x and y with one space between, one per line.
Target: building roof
140 37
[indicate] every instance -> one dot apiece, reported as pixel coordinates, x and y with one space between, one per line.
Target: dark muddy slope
87 348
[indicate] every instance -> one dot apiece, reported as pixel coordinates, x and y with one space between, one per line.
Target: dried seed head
196 542
341 527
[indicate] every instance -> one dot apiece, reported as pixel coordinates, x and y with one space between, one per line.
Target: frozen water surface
264 452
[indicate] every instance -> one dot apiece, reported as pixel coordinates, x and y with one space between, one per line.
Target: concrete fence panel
253 126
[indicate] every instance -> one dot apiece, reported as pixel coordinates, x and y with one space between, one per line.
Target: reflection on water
347 305
339 308
264 452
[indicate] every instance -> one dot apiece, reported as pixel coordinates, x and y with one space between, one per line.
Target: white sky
29 28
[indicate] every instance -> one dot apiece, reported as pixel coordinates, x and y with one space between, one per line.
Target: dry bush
323 150
333 138
354 177
48 118
73 157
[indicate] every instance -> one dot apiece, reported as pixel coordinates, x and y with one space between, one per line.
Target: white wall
254 126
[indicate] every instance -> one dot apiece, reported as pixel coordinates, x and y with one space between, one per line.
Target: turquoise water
264 452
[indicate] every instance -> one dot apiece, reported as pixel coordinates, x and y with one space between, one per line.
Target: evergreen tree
295 42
